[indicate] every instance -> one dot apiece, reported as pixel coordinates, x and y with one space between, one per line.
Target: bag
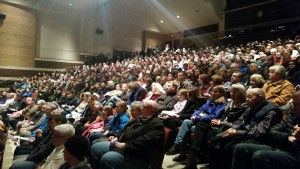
93 126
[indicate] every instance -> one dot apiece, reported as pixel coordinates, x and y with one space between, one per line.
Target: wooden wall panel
17 36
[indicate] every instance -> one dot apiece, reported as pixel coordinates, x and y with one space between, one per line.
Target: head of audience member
56 118
76 147
61 133
150 108
257 81
40 104
285 57
71 94
121 107
217 80
234 67
156 88
197 72
133 86
227 63
254 68
238 93
203 80
270 60
171 87
48 108
292 66
111 85
262 57
148 81
106 112
277 73
182 94
136 109
254 97
218 93
181 76
30 101
236 77
171 76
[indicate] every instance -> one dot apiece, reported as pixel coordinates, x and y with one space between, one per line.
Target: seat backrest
156 157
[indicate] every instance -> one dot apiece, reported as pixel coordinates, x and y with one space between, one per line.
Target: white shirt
55 159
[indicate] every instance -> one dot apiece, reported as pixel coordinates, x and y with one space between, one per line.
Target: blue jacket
210 110
118 123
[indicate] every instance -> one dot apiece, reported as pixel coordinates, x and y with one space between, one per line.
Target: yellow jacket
278 93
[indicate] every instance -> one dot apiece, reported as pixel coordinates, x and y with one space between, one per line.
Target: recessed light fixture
178 16
161 21
70 4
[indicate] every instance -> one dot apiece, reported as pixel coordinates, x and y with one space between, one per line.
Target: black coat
142 136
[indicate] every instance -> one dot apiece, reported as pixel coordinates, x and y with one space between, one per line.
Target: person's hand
292 139
215 122
110 138
31 122
176 116
120 145
229 132
193 118
15 115
105 133
296 132
86 125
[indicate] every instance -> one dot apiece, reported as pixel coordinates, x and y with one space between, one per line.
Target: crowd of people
235 105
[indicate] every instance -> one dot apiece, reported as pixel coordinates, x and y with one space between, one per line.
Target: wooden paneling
18 36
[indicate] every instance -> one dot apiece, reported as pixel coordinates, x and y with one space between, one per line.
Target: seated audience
250 127
212 109
132 146
281 148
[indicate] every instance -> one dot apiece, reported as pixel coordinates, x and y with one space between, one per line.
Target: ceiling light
70 4
178 16
161 21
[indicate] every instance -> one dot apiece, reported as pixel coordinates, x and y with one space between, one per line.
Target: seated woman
135 109
137 92
79 110
212 109
178 107
91 117
130 149
156 91
204 131
120 120
194 101
256 81
98 129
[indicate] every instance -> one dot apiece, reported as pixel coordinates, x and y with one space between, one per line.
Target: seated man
17 116
131 148
25 128
27 156
74 157
252 126
282 148
168 99
60 135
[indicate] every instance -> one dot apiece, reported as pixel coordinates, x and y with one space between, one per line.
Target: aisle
8 153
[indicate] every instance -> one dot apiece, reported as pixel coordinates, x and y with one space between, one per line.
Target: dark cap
77 145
